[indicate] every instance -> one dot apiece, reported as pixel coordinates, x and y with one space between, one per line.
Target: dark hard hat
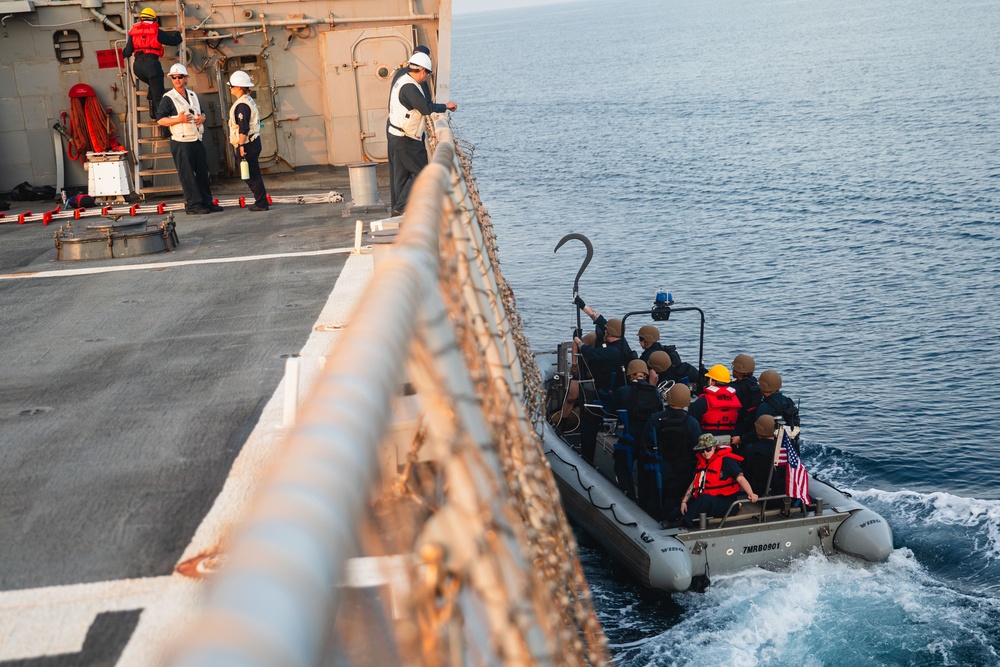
650 333
769 381
637 366
679 396
659 361
614 328
765 426
743 363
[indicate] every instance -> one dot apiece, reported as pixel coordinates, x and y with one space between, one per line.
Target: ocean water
824 180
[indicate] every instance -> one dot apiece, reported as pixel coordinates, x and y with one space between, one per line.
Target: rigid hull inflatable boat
671 559
766 533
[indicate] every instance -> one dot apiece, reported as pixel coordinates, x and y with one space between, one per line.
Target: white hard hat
240 79
177 68
421 60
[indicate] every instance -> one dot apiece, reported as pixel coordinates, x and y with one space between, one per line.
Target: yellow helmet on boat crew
147 13
719 373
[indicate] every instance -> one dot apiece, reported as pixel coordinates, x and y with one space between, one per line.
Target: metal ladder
153 170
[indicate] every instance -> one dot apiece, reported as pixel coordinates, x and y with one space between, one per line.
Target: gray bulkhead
322 71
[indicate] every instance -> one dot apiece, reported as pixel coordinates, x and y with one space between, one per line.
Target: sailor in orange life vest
718 478
718 407
145 46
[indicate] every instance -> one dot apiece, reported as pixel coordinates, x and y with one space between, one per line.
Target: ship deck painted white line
141 402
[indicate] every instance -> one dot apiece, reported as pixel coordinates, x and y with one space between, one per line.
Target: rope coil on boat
590 497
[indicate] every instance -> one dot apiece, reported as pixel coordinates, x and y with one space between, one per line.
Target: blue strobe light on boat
661 306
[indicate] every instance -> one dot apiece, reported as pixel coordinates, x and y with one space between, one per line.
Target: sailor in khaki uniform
180 111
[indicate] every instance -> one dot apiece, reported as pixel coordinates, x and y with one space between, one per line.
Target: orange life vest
707 475
723 409
146 38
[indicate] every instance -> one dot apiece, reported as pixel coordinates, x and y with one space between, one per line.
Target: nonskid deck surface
130 387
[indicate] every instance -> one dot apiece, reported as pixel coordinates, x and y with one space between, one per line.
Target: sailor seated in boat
759 457
666 456
718 407
633 404
665 372
649 341
748 391
717 482
775 403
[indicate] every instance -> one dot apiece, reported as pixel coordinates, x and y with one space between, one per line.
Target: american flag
796 477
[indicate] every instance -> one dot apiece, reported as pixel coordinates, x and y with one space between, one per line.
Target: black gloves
579 303
577 333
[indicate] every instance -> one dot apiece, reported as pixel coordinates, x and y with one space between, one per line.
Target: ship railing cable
457 514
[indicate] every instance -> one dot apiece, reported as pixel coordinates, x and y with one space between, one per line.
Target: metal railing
274 602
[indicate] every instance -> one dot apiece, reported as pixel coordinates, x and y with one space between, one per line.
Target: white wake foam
980 517
825 610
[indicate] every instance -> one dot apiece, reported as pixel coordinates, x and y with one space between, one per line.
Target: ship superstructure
321 72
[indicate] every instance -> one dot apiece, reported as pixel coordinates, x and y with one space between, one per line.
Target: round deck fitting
116 236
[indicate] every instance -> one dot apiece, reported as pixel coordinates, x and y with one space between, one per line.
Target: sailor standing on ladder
145 42
407 108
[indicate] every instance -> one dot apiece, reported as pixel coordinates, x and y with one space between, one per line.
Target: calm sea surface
823 178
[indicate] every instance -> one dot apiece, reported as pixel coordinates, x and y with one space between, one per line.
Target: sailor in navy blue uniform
776 404
244 135
666 456
748 392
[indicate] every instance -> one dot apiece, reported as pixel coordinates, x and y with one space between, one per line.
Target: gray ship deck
127 395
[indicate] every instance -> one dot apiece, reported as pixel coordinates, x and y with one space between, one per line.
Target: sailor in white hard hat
407 107
425 88
244 135
180 111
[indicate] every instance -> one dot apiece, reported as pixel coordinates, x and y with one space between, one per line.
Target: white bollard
359 229
291 389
